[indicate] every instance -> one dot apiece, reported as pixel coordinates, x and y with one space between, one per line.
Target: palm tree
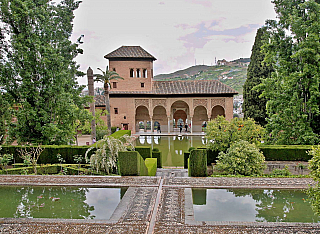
106 78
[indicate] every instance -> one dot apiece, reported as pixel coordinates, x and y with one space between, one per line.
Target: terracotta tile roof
184 87
99 100
129 52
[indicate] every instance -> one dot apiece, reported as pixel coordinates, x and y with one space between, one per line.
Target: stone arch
199 117
217 110
142 114
180 110
160 116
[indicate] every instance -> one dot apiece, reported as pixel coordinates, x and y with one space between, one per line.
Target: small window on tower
114 85
145 74
114 69
116 111
142 85
131 72
138 73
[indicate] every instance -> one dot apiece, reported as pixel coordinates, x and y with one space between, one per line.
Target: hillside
233 74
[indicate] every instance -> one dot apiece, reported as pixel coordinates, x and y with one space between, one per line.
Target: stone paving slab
133 215
115 181
245 182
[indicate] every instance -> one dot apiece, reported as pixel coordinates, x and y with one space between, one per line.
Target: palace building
138 100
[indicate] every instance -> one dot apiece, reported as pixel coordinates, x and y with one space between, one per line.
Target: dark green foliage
49 153
286 152
120 133
41 170
151 164
158 156
145 151
38 71
132 164
198 163
113 129
155 150
191 148
254 106
186 156
211 155
281 172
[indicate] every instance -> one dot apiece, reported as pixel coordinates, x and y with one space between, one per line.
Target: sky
179 33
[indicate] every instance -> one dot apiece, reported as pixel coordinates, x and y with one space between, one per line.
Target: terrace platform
153 205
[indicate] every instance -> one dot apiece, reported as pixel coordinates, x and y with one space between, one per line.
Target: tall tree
254 106
106 77
293 89
37 68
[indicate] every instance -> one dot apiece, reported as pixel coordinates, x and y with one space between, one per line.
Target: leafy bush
113 129
222 133
105 157
241 158
314 162
281 172
121 133
191 148
286 152
155 150
198 163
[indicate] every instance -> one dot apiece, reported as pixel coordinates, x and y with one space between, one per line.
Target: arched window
138 73
131 72
145 73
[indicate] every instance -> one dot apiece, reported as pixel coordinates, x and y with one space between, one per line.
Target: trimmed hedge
43 169
198 163
49 154
286 152
158 156
120 133
151 164
145 151
131 164
186 156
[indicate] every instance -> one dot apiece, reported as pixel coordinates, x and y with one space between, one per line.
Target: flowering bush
222 133
242 158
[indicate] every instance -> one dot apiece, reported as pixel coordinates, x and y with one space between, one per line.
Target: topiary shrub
145 151
158 156
151 164
155 150
186 156
198 163
132 164
242 158
191 148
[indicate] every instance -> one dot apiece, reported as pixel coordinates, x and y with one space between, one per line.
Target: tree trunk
107 100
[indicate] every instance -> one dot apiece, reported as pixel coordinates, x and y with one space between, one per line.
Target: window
125 117
114 69
114 85
116 111
145 74
131 72
151 73
138 73
142 85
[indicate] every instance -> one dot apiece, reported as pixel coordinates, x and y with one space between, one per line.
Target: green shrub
198 163
155 150
145 151
211 155
41 170
314 163
186 156
121 133
158 156
286 152
281 172
191 148
113 129
131 164
151 164
242 158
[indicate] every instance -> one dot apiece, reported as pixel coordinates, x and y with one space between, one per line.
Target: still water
172 147
59 202
254 205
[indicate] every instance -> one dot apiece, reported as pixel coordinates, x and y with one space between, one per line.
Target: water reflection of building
139 102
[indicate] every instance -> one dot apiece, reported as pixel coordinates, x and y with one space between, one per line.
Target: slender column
152 128
168 124
92 105
191 124
145 125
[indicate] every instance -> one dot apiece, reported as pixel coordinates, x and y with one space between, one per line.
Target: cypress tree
254 106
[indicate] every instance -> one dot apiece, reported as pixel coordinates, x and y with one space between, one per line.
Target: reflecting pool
59 202
254 205
172 147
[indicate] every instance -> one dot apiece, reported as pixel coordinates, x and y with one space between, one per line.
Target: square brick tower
135 65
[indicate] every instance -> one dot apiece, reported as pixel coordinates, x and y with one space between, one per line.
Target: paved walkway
170 173
153 205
